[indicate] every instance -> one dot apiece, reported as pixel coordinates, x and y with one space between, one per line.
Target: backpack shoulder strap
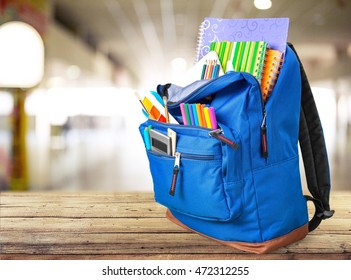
314 153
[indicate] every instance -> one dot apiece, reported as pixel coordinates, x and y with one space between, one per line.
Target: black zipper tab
264 144
218 135
175 173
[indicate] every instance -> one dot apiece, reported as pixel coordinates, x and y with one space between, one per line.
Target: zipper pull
264 144
175 173
218 135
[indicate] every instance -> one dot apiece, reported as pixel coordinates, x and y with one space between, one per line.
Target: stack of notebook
255 46
254 57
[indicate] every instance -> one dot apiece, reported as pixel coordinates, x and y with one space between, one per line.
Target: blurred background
78 128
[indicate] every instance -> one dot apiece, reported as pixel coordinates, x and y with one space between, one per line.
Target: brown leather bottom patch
258 248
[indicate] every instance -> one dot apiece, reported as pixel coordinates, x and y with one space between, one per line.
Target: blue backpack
240 185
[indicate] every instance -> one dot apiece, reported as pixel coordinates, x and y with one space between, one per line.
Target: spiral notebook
271 70
274 31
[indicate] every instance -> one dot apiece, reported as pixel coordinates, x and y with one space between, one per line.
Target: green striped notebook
241 56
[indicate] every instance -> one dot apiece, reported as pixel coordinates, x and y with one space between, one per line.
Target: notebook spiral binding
200 41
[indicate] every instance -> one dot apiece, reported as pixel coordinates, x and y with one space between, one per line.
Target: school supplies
160 143
166 108
271 70
147 139
198 115
145 110
210 69
240 184
213 118
184 116
274 31
242 56
195 72
154 107
255 58
241 46
173 135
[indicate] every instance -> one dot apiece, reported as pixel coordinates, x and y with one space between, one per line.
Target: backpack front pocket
193 182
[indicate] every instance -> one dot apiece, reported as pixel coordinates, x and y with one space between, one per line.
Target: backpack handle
314 153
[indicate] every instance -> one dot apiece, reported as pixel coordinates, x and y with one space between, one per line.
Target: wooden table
47 225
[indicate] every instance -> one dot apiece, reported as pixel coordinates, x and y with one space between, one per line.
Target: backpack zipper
176 166
175 173
201 89
263 127
264 145
218 135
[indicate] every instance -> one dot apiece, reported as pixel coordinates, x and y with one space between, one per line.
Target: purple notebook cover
274 31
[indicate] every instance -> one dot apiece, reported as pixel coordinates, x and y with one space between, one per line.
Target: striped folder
242 56
254 57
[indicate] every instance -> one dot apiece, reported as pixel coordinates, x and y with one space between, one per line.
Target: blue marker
196 119
191 114
147 139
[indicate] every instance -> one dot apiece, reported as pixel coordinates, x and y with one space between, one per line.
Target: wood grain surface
85 225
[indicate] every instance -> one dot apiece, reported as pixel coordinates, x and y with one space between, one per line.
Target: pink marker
213 118
182 110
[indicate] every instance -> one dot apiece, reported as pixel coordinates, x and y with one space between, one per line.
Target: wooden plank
92 205
165 243
85 243
75 197
188 256
62 225
89 210
337 197
102 205
81 205
132 226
